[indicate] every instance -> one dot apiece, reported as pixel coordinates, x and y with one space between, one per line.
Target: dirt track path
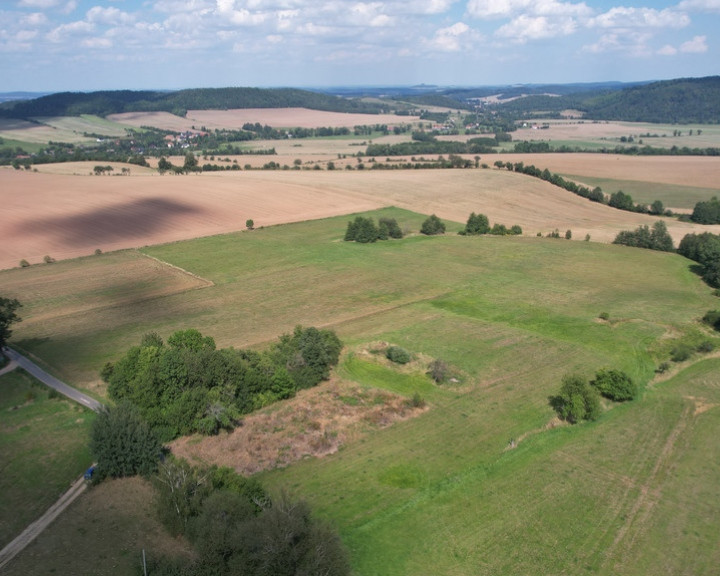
32 531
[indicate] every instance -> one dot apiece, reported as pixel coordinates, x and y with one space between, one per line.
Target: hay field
66 216
275 117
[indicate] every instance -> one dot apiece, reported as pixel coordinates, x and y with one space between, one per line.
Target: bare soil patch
313 424
275 117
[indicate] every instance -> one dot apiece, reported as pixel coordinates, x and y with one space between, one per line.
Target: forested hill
681 101
113 102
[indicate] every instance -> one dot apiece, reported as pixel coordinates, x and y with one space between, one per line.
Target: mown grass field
671 195
43 450
444 493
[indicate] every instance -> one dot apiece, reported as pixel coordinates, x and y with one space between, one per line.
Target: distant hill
681 101
113 102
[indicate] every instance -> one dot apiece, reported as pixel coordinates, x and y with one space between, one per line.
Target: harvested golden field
275 117
66 216
700 171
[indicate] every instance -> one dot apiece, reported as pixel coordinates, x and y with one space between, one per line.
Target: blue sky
55 45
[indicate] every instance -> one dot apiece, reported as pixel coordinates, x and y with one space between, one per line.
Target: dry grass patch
315 423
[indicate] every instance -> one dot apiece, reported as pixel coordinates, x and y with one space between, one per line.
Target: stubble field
73 214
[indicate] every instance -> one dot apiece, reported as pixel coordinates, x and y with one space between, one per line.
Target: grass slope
43 450
443 493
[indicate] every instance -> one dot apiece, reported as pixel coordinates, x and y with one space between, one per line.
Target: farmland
483 479
513 327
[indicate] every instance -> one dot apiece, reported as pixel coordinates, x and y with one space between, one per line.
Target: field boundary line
207 282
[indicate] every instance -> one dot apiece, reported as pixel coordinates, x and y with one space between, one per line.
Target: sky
83 45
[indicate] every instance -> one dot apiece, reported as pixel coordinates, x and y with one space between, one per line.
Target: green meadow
485 481
671 195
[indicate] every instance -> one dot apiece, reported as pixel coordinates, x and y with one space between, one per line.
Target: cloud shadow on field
132 220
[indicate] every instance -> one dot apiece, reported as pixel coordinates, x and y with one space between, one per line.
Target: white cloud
111 16
667 50
496 8
450 39
697 45
35 19
524 28
65 31
624 17
42 4
489 9
628 42
103 43
700 5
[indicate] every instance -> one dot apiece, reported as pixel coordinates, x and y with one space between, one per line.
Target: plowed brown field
69 215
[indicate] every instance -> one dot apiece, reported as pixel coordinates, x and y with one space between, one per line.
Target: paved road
53 382
32 531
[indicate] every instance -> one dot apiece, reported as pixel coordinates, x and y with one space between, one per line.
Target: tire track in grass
650 493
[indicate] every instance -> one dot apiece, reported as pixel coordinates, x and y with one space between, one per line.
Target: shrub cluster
707 212
364 230
187 385
579 399
398 355
236 528
643 237
479 224
614 385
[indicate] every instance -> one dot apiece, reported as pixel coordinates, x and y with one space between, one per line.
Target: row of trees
187 385
619 199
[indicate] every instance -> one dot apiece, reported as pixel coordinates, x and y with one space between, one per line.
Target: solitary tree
577 400
249 223
432 226
8 316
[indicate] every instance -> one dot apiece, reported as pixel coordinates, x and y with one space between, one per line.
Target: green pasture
446 492
671 195
43 450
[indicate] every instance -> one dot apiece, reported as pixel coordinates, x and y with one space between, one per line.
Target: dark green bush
615 385
681 352
432 226
398 355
